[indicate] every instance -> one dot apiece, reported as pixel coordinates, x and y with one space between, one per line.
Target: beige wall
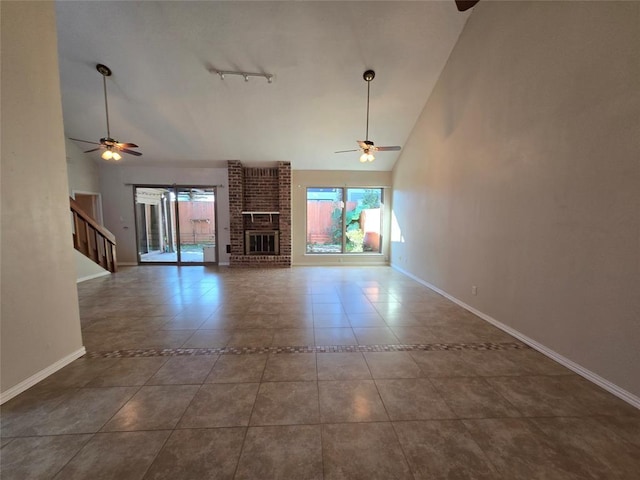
522 177
301 179
117 190
82 170
40 320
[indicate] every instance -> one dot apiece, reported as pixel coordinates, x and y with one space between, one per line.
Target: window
344 220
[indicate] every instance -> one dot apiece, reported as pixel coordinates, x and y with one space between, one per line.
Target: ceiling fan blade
346 151
127 145
465 4
85 141
93 150
394 148
130 152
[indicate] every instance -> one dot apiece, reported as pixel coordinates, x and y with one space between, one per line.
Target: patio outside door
197 224
176 225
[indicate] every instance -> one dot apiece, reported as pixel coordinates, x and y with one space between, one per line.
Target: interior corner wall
40 320
83 172
301 180
522 177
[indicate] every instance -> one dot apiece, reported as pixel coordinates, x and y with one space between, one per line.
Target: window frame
344 239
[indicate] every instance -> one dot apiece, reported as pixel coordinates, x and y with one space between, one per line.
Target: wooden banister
93 240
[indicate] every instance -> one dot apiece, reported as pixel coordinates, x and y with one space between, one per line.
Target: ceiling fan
110 146
367 147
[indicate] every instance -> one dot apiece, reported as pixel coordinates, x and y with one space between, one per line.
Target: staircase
93 240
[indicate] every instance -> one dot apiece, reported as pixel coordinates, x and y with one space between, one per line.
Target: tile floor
306 373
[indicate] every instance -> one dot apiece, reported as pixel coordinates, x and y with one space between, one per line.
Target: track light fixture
245 75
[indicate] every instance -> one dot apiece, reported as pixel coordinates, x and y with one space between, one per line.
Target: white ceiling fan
367 147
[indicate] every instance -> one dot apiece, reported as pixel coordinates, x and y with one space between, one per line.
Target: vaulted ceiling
163 97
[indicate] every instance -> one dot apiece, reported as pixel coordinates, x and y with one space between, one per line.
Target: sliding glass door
175 225
197 226
156 224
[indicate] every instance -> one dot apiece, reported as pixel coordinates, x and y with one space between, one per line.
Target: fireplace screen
257 242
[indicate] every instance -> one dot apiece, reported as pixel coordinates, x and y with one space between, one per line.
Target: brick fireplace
260 205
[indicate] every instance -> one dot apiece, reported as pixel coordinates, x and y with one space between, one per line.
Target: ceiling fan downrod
111 147
105 72
368 76
367 146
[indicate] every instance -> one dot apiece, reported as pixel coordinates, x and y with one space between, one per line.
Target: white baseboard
133 264
338 263
325 264
562 360
95 275
41 375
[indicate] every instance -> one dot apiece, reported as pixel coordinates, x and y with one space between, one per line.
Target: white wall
522 177
39 315
116 185
300 180
82 170
87 269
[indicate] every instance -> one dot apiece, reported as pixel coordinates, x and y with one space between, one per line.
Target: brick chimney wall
261 194
235 207
259 190
284 202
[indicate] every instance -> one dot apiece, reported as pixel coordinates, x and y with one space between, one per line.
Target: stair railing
92 239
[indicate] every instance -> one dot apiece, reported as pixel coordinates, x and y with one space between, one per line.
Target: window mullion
344 220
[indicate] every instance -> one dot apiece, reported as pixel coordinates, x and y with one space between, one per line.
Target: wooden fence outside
320 223
197 222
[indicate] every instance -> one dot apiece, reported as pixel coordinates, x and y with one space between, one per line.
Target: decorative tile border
430 347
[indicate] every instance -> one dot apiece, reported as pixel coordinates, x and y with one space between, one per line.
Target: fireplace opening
260 242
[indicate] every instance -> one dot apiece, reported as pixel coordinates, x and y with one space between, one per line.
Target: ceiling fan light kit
110 146
366 157
367 147
111 155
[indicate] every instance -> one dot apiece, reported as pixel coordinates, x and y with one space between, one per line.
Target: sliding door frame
175 188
